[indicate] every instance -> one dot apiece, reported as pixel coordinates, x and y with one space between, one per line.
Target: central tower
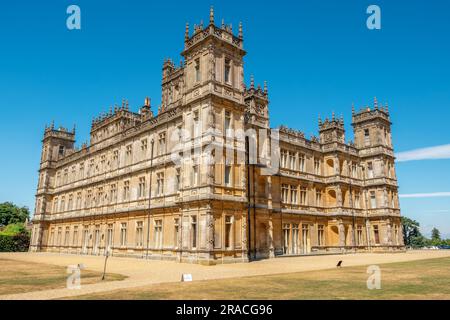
214 61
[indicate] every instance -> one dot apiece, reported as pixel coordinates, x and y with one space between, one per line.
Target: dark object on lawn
339 264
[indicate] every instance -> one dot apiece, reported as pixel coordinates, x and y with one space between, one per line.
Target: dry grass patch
423 279
20 276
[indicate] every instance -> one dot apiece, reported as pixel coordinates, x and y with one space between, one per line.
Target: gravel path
146 272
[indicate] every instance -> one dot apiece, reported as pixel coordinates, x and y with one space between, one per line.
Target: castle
207 180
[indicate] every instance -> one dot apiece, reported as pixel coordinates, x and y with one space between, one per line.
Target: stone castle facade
206 180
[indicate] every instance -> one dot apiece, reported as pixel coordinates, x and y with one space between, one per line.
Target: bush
14 243
13 229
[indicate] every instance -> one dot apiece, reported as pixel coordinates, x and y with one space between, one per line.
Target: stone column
269 194
351 234
388 232
368 233
341 233
271 247
338 196
210 234
244 237
385 198
336 165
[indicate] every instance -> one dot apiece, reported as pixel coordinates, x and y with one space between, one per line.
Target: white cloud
425 195
437 152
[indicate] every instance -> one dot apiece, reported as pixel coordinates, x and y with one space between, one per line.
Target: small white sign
186 277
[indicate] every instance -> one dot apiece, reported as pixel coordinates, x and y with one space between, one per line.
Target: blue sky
317 56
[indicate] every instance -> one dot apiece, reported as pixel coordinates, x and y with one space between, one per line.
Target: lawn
423 279
20 276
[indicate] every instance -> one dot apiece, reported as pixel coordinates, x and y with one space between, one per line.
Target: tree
411 233
10 213
435 235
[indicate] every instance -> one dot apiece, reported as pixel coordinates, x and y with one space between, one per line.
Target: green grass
20 276
423 279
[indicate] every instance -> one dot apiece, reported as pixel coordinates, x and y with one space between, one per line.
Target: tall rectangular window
320 235
66 237
100 195
88 200
103 162
193 232
303 196
55 205
366 137
369 170
158 234
194 176
292 161
144 146
162 144
109 237
70 203
78 201
116 158
66 176
81 171
317 166
286 238
318 198
284 158
126 190
285 193
294 199
302 163
196 125
129 154
91 167
113 193
359 235
52 237
139 234
75 236
73 174
376 234
85 238
160 183
62 205
227 71
176 234
228 175
178 179
141 187
227 124
58 240
197 70
123 234
357 201
295 233
373 200
228 230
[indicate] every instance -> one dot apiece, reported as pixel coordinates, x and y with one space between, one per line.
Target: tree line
414 238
